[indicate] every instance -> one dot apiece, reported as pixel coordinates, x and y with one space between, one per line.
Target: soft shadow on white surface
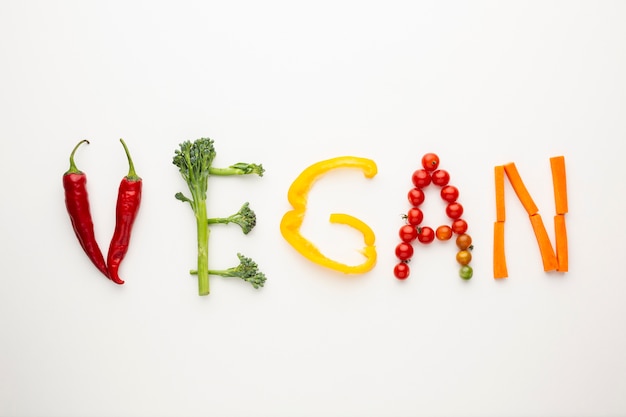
288 84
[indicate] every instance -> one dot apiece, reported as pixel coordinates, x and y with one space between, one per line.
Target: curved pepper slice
292 220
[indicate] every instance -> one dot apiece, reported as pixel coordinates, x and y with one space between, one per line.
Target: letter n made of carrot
552 259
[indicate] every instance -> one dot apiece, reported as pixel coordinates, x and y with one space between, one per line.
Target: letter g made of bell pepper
292 220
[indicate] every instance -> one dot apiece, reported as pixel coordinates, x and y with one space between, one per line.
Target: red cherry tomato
430 161
421 178
414 216
450 193
416 196
404 251
401 271
459 226
425 234
454 210
443 233
408 233
440 177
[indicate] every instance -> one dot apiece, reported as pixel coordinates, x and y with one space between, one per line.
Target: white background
287 84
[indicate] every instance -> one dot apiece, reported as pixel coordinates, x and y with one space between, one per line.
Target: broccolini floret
245 218
194 161
247 270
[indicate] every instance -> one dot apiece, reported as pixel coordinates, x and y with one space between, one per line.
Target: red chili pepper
128 201
77 204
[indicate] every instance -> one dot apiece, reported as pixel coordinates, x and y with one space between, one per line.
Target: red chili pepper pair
77 203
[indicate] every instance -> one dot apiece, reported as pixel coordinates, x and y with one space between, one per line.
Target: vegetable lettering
194 161
552 260
292 220
77 203
414 231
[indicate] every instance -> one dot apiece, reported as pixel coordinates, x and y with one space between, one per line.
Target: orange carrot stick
545 247
520 188
499 257
499 180
560 236
557 164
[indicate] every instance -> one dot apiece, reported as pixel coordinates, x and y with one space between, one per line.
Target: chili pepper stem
132 175
203 248
73 168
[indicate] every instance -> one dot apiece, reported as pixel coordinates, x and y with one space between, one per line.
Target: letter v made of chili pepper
128 201
77 204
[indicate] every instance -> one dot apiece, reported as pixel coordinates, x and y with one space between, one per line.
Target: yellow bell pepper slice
292 220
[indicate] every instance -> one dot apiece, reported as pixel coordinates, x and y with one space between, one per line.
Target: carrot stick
499 180
499 257
545 247
560 236
520 188
557 164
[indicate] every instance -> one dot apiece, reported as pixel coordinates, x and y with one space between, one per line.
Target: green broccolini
194 161
245 218
247 270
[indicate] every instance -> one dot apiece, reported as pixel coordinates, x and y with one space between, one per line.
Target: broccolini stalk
245 218
247 270
194 162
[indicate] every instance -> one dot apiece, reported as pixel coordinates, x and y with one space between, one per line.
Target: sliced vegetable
560 233
559 183
292 220
499 256
520 189
499 183
548 256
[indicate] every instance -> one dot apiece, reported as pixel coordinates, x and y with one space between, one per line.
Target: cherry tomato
404 251
408 233
421 178
454 210
441 177
414 216
466 272
430 161
416 196
464 257
464 241
450 193
443 232
459 226
401 271
425 234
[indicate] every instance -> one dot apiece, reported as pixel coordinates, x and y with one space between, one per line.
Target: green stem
225 171
73 169
203 248
132 175
217 220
